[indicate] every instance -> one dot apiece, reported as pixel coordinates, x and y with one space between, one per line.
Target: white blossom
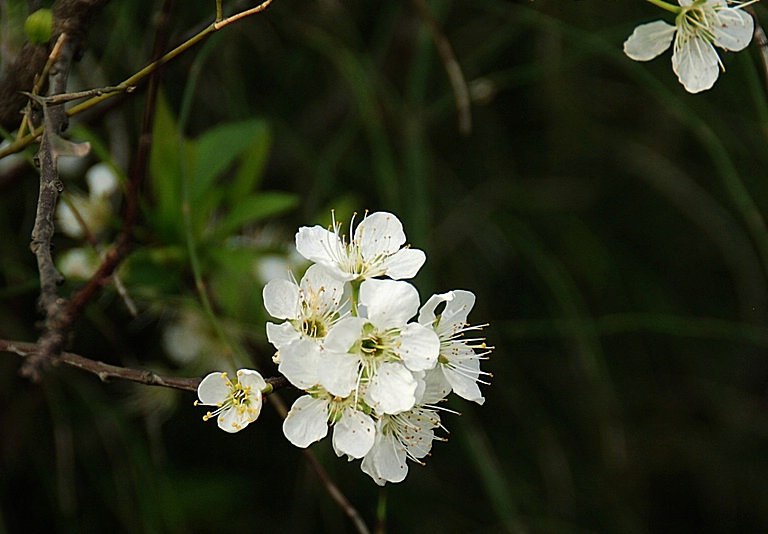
458 366
95 209
700 25
238 402
309 417
400 437
310 308
376 249
379 349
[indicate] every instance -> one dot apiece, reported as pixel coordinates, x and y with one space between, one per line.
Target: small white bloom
379 349
376 249
311 310
699 27
458 366
78 263
238 402
95 209
399 437
309 417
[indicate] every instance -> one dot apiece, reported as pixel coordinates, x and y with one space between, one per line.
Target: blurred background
608 221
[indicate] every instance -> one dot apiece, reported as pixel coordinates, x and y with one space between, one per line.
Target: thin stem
21 143
105 371
665 5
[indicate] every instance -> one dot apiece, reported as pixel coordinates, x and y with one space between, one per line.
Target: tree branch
106 371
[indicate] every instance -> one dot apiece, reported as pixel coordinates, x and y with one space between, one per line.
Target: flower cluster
349 340
700 25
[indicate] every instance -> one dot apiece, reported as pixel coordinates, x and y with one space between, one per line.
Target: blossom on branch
376 249
238 402
350 341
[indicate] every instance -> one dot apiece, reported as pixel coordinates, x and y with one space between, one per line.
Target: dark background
604 217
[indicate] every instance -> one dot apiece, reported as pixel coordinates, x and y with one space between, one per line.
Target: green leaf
165 174
251 169
255 208
216 149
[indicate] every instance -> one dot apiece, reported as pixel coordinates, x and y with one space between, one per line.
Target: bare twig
111 260
106 372
451 65
20 144
51 147
332 489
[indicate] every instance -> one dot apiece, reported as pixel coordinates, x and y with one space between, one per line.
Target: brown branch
137 176
332 489
55 121
106 371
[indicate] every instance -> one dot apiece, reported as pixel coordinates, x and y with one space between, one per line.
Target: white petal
102 180
419 347
338 372
306 421
392 389
249 377
649 40
214 389
328 289
437 387
344 334
389 303
389 460
316 243
696 64
282 334
299 363
367 466
404 263
281 299
354 433
464 386
734 29
233 421
420 425
380 233
453 317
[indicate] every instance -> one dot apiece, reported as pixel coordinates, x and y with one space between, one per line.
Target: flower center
696 20
313 327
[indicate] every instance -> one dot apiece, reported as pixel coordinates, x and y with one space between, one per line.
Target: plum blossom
458 366
310 308
376 249
400 437
700 25
309 418
94 210
238 402
380 348
350 339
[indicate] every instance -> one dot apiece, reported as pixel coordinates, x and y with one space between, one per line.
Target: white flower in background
380 349
310 309
309 417
238 402
700 25
95 209
400 437
78 263
458 366
376 249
